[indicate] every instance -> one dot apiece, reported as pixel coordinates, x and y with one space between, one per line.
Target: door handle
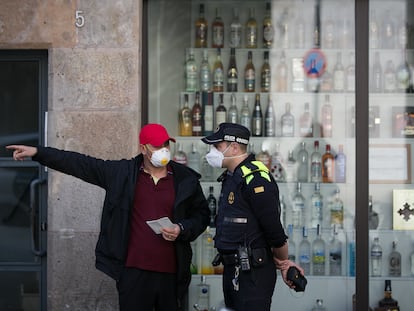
36 228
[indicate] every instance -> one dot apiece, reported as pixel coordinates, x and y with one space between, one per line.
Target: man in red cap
152 270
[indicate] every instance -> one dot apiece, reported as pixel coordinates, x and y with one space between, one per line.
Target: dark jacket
119 178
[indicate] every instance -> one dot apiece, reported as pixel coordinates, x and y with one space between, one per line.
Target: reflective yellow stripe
260 167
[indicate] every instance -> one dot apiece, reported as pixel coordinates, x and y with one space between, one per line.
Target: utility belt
244 257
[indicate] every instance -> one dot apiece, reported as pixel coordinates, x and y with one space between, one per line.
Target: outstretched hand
20 152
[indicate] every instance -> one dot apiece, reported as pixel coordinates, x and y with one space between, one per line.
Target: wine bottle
191 72
184 119
205 73
268 30
265 74
208 112
221 112
245 118
197 128
218 74
257 118
251 30
270 121
328 165
235 36
249 74
232 73
217 31
201 29
233 114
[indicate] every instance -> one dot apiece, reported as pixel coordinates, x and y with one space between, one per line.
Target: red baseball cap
154 134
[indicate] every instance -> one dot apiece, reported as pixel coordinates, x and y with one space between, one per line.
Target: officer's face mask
160 157
215 157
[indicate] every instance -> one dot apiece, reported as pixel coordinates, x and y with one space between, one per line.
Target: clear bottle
282 74
265 74
205 73
233 113
277 168
305 252
257 118
388 301
318 253
201 29
270 120
196 118
403 76
191 72
221 112
179 155
251 30
264 157
316 207
374 32
337 210
326 82
217 31
340 165
288 122
212 205
303 163
377 75
203 298
376 258
245 116
306 123
316 163
184 119
373 218
329 32
284 31
207 99
291 244
335 254
282 209
328 165
388 31
232 73
194 158
268 30
291 167
298 208
339 74
218 74
235 36
403 33
319 306
207 252
394 261
390 77
300 30
249 74
326 118
350 73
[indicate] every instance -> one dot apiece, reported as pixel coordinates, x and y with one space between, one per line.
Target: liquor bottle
326 82
221 112
318 253
201 29
388 301
207 252
264 157
352 255
191 72
303 163
232 74
328 165
335 254
205 73
207 99
251 30
203 298
376 258
282 209
316 32
376 80
291 244
313 81
249 74
326 118
257 118
270 120
291 167
316 207
217 31
373 219
329 33
337 210
390 77
284 29
193 158
196 119
402 31
319 305
316 163
277 168
350 73
206 169
388 31
184 119
305 252
282 74
245 118
212 205
340 165
265 74
374 32
179 155
218 74
233 114
298 208
235 36
300 30
403 74
339 74
288 122
346 34
268 30
306 123
394 261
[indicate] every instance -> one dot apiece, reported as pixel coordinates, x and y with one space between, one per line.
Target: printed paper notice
157 224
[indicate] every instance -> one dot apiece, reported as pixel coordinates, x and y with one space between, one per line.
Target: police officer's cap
229 132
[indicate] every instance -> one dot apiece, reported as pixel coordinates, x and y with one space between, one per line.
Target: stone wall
94 105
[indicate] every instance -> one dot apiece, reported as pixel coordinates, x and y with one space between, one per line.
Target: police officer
249 235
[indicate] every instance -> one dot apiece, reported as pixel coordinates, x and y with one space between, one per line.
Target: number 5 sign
79 19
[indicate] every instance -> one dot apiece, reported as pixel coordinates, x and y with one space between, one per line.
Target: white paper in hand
157 224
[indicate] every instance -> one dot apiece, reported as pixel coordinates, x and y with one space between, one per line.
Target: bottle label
218 78
251 37
218 36
220 117
208 118
268 34
265 81
249 80
235 36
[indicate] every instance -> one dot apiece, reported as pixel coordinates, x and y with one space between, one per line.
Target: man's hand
171 234
283 266
20 152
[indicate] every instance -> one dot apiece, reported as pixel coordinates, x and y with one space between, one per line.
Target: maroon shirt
147 250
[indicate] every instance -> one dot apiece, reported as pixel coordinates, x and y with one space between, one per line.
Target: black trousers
256 287
141 290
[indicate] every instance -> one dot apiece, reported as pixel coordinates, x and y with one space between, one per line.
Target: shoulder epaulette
254 166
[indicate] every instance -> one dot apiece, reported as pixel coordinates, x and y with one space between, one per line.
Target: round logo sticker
314 63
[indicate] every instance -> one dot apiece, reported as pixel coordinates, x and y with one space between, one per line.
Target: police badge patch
230 198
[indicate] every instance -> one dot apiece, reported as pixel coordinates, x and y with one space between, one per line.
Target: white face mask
161 157
215 158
